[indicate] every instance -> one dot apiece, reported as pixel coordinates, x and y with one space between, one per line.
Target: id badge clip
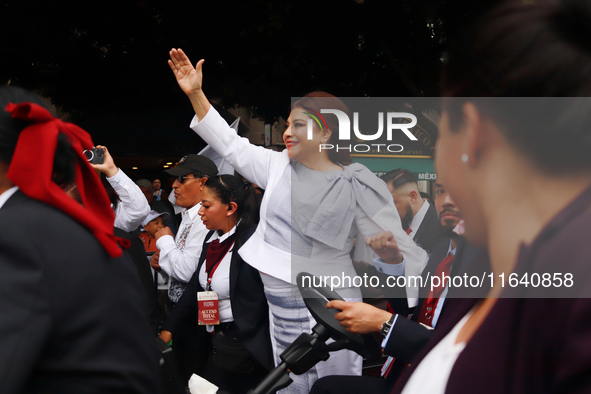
208 308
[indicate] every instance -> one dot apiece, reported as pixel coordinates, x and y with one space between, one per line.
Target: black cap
194 163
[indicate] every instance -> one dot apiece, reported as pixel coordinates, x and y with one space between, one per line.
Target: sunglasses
181 178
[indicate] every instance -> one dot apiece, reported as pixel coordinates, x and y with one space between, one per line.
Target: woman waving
314 208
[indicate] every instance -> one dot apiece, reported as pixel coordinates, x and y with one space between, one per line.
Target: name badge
208 308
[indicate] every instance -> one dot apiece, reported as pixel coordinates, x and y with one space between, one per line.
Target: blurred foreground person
73 316
519 170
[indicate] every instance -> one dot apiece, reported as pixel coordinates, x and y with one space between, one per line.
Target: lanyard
215 267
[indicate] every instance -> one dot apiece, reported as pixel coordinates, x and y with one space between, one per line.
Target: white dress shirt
179 256
133 207
7 194
417 219
220 281
433 372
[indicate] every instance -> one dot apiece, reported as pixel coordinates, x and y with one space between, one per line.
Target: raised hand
188 77
108 167
386 247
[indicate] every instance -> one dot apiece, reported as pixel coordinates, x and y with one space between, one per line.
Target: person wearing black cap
178 256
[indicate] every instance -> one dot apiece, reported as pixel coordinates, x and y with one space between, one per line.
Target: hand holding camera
108 166
95 155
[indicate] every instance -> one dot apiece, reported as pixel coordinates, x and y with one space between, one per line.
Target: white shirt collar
223 237
7 194
192 212
451 249
416 221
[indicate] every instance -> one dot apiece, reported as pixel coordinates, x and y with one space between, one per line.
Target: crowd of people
211 268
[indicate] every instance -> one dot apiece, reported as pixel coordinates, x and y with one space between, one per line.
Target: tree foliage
110 57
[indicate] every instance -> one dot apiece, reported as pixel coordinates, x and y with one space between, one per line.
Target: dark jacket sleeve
250 307
251 313
406 339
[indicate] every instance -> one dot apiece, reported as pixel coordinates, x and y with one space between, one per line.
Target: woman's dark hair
528 49
321 100
64 170
230 188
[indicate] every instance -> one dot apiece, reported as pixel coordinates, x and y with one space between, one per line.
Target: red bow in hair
31 170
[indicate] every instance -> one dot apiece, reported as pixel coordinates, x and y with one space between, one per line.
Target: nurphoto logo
345 130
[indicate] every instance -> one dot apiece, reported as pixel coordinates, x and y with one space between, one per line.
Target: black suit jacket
72 319
408 337
429 232
248 301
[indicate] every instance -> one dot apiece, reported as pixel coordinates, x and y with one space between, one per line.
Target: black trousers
232 383
191 347
352 385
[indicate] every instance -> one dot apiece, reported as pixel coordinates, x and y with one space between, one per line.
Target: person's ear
326 134
475 133
232 207
202 183
413 195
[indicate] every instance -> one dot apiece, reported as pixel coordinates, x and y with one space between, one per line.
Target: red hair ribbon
31 170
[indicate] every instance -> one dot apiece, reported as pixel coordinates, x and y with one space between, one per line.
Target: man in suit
417 215
73 317
403 338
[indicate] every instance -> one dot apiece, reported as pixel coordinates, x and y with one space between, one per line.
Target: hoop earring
465 158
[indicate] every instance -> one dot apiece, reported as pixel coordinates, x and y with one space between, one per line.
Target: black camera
95 155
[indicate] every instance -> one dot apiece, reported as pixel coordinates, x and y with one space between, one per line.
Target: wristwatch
387 326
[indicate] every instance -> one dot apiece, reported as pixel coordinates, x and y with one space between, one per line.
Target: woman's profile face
213 212
295 137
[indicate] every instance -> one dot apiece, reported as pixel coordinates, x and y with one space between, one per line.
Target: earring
464 158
